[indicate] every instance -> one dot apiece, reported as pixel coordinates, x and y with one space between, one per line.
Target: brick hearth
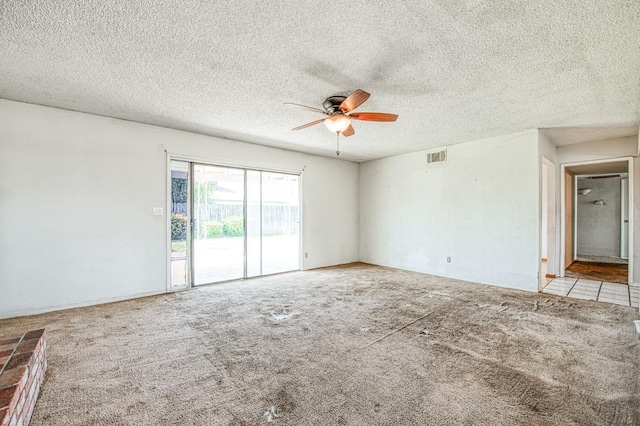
23 363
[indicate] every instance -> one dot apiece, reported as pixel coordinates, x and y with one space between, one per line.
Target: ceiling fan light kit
339 112
337 123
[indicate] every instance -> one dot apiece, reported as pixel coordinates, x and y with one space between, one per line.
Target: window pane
280 223
218 234
179 224
253 224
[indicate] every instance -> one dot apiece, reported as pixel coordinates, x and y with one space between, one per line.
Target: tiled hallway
601 291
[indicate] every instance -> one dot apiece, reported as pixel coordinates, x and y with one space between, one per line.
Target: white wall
635 225
481 208
544 207
77 194
548 149
598 150
549 199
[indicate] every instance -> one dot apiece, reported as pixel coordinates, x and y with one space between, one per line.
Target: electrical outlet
306 255
448 259
158 211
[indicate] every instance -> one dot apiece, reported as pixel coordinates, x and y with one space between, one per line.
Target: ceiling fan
339 113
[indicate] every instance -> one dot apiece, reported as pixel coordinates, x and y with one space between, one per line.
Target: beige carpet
328 347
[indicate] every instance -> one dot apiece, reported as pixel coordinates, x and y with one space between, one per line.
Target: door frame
560 266
169 276
191 253
552 240
208 162
624 184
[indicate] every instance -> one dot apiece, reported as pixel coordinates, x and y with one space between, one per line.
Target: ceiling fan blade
313 123
348 131
373 116
309 108
354 100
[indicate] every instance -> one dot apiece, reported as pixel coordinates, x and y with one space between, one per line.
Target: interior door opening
597 238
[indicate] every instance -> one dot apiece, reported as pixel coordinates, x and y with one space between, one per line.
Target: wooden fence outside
277 219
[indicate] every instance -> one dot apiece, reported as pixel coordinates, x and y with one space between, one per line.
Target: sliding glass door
254 225
273 223
240 223
218 224
179 184
280 223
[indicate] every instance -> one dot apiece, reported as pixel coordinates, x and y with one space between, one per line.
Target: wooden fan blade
354 100
309 108
373 116
348 131
313 123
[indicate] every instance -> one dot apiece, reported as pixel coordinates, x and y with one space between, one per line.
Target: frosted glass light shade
337 123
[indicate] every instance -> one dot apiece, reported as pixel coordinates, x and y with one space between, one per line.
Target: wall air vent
437 157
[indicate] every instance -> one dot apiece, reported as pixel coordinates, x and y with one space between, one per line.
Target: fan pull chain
338 144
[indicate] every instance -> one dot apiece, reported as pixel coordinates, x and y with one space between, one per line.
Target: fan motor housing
332 104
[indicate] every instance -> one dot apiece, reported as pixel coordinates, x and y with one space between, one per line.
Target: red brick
35 334
21 401
9 398
32 395
38 348
14 377
20 382
29 383
9 340
30 411
20 359
27 346
34 370
9 348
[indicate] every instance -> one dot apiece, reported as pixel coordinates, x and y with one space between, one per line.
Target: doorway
596 212
595 241
230 223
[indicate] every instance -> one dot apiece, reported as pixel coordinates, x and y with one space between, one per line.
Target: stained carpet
352 345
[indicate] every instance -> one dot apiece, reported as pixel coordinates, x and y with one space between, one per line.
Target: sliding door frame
208 162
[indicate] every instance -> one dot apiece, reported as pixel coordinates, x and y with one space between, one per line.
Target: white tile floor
619 294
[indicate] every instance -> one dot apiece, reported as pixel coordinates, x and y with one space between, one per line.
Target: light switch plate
158 211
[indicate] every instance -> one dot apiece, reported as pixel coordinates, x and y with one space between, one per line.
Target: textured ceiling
571 135
454 71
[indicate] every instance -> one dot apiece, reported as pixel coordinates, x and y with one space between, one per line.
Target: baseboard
103 301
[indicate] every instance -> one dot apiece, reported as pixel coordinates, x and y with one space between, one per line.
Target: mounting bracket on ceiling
332 104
